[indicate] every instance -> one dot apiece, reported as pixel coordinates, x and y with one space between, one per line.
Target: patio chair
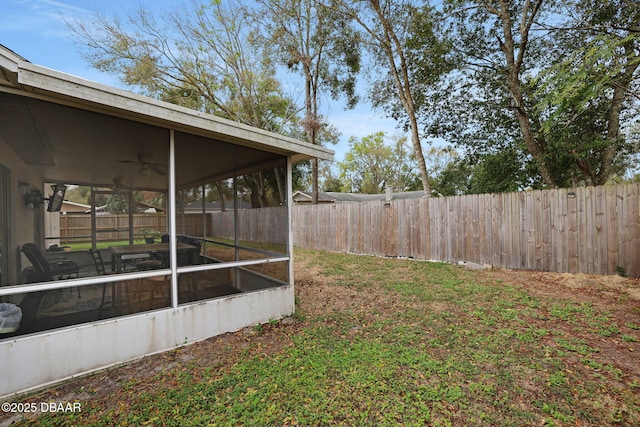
49 269
185 257
117 288
189 257
99 265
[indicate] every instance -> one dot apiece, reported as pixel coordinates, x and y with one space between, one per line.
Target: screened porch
100 295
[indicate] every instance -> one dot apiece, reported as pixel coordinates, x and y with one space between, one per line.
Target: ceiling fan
147 167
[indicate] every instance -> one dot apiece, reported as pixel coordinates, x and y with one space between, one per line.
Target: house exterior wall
21 219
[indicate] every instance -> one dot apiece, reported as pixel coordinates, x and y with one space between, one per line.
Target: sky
36 30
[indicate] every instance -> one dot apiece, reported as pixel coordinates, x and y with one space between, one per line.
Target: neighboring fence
582 230
268 225
77 228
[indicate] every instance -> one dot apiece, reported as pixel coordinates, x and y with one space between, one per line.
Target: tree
503 171
528 73
78 194
118 203
589 90
329 181
385 25
201 59
493 39
457 174
309 38
370 165
450 173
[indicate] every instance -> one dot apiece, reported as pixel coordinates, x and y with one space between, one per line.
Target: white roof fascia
9 66
75 91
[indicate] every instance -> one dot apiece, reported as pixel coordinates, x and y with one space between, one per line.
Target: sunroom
95 296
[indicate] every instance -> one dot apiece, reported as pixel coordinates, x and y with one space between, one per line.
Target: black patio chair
185 256
116 286
189 257
49 269
162 256
99 265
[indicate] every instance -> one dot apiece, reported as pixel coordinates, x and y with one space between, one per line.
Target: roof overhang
50 118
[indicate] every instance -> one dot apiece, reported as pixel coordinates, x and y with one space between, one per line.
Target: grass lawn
393 342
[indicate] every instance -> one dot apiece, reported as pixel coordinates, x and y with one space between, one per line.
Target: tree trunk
536 144
311 125
394 51
281 190
218 185
613 126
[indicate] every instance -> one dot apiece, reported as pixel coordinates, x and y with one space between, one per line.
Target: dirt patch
617 296
587 285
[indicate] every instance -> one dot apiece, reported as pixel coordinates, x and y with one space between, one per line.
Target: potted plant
150 236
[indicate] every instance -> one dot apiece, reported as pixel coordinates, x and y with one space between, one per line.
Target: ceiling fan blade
157 169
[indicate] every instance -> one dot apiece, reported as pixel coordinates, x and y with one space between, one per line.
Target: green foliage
553 81
503 171
577 102
314 41
118 203
578 78
426 50
621 271
370 165
450 173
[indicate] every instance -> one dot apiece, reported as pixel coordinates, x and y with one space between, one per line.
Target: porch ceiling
71 145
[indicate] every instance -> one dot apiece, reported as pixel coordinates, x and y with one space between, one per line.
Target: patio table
117 252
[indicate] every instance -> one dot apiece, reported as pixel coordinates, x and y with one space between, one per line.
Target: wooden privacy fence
268 225
113 227
582 230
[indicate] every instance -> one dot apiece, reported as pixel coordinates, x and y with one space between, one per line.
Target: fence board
534 237
600 233
633 266
459 215
522 243
590 230
572 232
488 231
440 245
582 228
611 214
481 247
507 228
497 235
563 248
